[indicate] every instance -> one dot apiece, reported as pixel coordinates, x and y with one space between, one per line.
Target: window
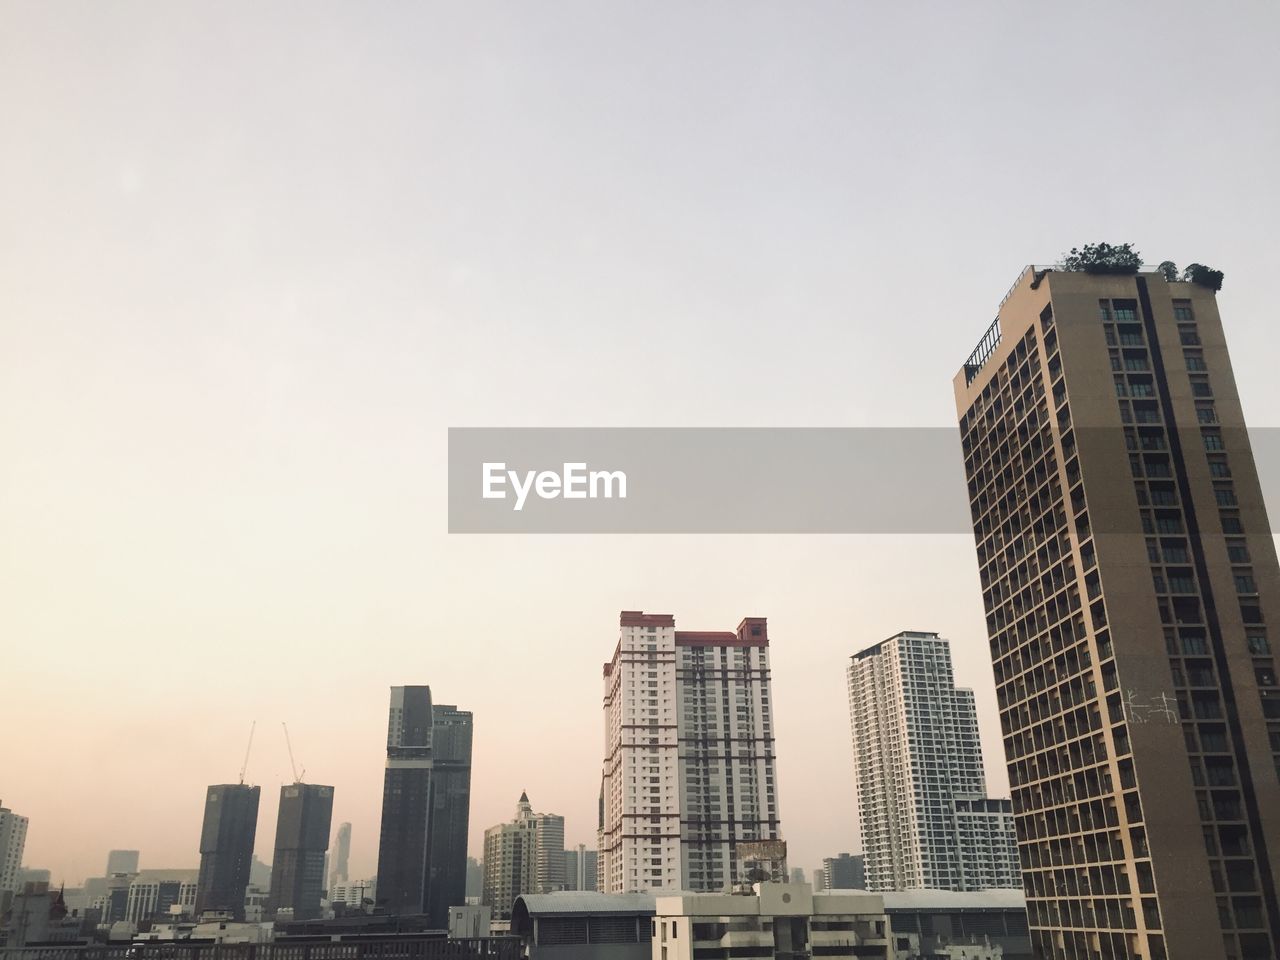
1213 440
1182 311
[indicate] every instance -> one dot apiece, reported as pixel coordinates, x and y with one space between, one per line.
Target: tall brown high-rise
1132 599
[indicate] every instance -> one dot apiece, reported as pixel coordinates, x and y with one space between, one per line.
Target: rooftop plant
1103 258
1203 276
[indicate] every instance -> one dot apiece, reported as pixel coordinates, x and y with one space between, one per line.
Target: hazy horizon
256 260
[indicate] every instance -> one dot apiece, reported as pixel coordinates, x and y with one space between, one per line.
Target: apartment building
524 855
1131 592
689 770
922 807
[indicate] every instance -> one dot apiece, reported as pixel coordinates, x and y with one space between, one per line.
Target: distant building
113 904
153 893
259 873
922 805
36 914
580 868
302 836
844 872
426 796
256 900
525 855
470 921
13 841
340 855
820 881
451 737
475 880
797 875
226 847
353 893
122 861
33 875
689 770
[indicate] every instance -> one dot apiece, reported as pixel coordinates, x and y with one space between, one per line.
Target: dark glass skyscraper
450 812
422 849
302 836
226 847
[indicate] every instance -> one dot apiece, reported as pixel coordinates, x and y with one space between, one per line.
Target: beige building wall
1131 682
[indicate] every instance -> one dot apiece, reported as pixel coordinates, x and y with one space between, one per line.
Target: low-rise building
584 925
781 920
949 923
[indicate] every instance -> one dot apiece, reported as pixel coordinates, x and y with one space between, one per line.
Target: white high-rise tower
13 840
924 814
922 805
689 769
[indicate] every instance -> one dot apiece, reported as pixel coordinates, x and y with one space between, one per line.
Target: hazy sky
255 259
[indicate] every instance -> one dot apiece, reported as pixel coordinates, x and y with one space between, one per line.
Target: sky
256 259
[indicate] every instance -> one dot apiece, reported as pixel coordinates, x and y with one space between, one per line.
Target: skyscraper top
903 634
638 618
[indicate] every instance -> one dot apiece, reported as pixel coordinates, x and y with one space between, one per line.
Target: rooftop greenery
1103 258
1122 259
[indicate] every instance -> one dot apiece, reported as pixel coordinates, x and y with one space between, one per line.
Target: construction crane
297 775
245 766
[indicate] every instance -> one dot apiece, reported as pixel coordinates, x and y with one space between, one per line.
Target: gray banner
726 480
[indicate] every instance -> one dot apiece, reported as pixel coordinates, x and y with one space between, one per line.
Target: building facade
302 837
226 847
154 893
922 805
450 812
689 769
778 920
525 855
422 854
353 893
13 841
1131 591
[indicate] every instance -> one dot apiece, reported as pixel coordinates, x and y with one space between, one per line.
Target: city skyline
243 304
